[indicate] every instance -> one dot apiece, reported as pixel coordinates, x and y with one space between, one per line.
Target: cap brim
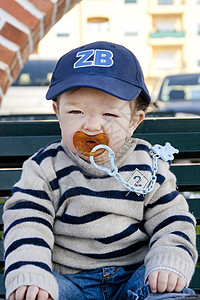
113 86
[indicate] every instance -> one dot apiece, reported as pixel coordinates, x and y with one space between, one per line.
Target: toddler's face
92 112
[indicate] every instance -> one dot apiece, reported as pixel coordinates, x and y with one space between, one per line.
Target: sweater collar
120 158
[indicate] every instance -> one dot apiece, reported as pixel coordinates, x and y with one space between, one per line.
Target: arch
23 23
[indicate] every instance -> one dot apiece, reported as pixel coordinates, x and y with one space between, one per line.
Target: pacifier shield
84 143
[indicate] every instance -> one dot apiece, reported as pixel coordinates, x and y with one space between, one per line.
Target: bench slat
24 145
1 251
2 288
184 142
1 213
8 178
194 205
187 176
27 145
195 284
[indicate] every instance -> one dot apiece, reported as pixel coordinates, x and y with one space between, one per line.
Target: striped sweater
68 216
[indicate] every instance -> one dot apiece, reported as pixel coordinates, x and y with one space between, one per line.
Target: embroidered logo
138 180
92 57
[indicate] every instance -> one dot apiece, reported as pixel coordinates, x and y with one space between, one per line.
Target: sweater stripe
35 193
141 167
108 194
83 219
122 252
61 174
178 233
182 234
142 147
30 219
160 178
26 241
20 264
164 199
43 154
186 249
175 218
114 254
30 205
68 170
125 233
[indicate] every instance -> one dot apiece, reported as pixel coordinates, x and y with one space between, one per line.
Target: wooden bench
19 140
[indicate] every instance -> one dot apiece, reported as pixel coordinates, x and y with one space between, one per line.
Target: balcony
167 38
171 34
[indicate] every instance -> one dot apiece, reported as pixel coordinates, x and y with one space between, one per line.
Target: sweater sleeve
28 233
171 228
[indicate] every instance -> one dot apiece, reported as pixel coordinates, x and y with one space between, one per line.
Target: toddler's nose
92 124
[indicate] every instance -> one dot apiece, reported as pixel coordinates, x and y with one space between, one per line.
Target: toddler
97 215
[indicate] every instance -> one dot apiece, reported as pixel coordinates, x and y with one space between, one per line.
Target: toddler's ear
135 121
55 108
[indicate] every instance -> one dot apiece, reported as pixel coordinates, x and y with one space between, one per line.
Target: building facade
163 34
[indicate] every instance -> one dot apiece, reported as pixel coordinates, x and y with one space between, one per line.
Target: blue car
178 95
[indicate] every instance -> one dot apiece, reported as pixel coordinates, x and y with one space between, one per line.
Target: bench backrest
19 140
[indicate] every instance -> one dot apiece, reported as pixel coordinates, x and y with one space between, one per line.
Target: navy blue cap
104 66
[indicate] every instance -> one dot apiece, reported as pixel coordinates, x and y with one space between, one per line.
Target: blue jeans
110 283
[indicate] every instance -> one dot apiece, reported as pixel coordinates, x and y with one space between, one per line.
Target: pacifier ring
84 143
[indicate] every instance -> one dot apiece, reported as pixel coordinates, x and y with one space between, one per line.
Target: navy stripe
35 193
178 233
43 154
30 205
30 219
110 194
114 254
119 236
160 178
141 167
122 252
182 234
54 184
163 200
26 241
168 221
20 264
83 219
62 173
186 249
68 170
141 147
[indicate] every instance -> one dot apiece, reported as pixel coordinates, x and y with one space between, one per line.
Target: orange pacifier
84 143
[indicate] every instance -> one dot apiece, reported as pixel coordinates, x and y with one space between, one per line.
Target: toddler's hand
165 281
29 293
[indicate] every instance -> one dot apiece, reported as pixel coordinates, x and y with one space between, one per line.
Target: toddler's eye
110 115
75 112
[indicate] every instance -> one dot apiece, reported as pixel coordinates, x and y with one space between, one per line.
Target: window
62 34
98 24
63 28
165 26
165 2
131 28
130 1
166 60
198 29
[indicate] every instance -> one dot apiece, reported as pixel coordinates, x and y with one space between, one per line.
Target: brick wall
23 23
